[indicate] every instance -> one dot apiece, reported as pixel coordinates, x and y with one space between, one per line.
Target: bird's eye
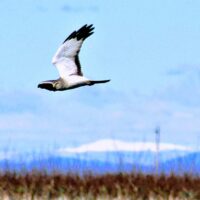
56 85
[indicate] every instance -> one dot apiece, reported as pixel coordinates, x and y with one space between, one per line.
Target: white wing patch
66 67
64 59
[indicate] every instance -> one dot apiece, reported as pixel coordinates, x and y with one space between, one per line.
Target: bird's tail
97 82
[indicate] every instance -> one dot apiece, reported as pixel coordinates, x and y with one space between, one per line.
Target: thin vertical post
157 141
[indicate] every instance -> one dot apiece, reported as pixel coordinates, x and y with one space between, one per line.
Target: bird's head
57 85
52 85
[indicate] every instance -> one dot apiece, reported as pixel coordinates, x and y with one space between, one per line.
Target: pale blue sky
149 49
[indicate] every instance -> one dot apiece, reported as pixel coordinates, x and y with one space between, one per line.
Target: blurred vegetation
42 185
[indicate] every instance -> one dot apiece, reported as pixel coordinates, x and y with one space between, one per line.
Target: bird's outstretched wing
66 58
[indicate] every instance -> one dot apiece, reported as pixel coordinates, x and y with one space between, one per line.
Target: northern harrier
67 62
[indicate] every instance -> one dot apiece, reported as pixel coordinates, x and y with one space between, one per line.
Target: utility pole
157 142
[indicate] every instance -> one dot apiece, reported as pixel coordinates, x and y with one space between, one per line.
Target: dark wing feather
84 32
79 72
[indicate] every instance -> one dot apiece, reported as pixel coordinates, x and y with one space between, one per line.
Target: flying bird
68 65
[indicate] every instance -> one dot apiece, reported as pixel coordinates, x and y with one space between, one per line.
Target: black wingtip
84 32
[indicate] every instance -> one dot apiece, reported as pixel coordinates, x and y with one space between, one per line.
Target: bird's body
67 62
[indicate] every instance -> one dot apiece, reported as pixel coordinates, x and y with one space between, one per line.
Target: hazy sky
149 49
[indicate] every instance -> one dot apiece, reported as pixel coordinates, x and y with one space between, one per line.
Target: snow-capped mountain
128 152
110 155
106 145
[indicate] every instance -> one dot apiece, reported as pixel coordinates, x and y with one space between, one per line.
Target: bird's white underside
75 80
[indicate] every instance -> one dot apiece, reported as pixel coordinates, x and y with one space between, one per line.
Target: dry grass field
40 185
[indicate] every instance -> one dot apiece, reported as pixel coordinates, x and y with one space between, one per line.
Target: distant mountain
111 156
115 151
110 145
61 164
189 163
